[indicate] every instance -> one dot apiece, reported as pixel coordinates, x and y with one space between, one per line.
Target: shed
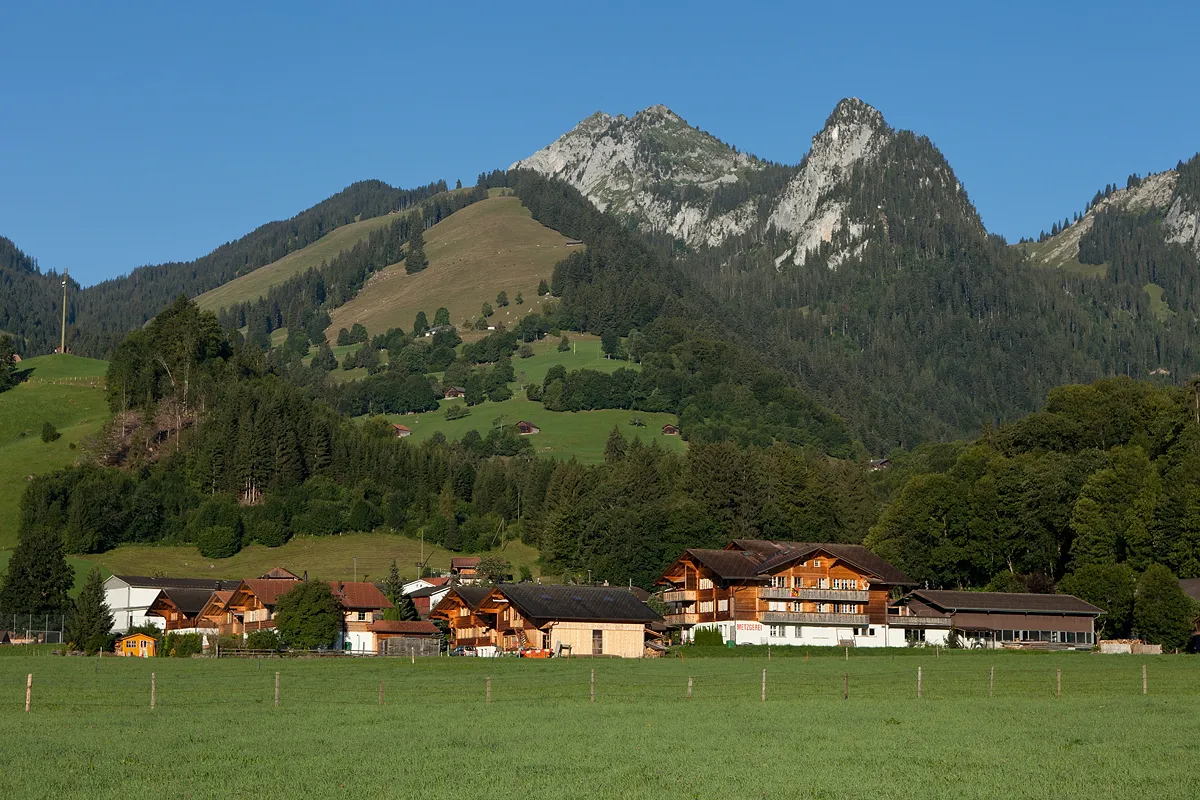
526 428
139 645
401 430
454 391
670 430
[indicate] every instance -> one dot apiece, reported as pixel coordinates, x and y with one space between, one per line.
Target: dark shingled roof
428 591
728 563
853 554
147 582
577 603
472 595
190 601
946 600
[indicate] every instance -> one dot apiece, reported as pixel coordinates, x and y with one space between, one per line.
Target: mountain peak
851 113
658 112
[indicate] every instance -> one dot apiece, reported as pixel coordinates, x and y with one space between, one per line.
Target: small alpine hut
526 428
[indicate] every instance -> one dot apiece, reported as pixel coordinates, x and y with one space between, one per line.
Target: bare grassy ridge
475 253
216 733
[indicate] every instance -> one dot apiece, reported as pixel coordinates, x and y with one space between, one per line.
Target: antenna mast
63 346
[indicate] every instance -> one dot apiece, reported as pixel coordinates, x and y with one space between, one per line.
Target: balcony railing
816 618
918 621
680 596
808 593
682 619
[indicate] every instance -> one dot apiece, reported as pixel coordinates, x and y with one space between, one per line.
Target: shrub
525 351
269 532
457 412
49 432
308 617
710 637
219 541
263 640
182 645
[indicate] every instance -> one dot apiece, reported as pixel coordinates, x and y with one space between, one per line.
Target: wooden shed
140 645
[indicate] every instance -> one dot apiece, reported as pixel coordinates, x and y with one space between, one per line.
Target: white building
130 596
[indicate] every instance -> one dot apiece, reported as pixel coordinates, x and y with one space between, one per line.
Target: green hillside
66 391
255 284
475 253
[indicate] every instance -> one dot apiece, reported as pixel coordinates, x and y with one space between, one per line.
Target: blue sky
154 132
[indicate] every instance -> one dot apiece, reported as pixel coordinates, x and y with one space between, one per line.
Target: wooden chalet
216 614
670 430
180 609
464 566
454 391
405 637
401 430
526 428
767 592
516 617
996 619
364 604
468 627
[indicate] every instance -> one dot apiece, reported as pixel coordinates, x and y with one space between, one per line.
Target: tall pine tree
90 620
415 260
38 575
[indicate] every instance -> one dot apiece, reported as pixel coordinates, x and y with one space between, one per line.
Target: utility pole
355 568
63 347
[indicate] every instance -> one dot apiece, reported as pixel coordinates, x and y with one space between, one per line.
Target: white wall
128 605
813 635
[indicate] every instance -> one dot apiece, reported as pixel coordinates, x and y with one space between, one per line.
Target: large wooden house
786 593
180 610
511 617
129 597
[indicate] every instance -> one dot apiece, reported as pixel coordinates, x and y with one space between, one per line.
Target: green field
216 733
327 557
67 391
475 253
254 285
81 566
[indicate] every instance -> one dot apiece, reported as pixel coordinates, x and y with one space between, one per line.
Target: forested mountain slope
30 301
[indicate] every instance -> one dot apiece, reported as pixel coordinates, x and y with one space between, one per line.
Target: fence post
1058 690
153 692
277 690
918 683
1144 687
764 685
412 656
381 693
845 685
991 680
689 687
593 684
847 653
28 691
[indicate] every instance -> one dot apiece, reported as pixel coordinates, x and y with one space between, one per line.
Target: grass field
216 732
580 434
327 557
67 391
487 247
82 567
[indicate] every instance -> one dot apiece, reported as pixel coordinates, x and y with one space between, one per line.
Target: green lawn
1158 304
216 732
327 557
64 390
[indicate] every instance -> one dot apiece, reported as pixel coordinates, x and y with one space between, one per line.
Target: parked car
464 651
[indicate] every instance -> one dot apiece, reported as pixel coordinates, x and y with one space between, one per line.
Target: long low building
994 619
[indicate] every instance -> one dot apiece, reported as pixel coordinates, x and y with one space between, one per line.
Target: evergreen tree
1162 613
519 299
415 260
90 620
7 380
502 299
543 288
564 344
324 359
309 616
486 311
38 574
615 448
441 317
420 324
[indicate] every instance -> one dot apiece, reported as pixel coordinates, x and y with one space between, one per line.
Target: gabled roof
546 603
464 561
189 601
415 628
727 564
360 596
950 601
147 582
281 573
400 427
428 591
853 554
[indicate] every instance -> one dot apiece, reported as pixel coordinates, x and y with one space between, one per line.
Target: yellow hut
140 645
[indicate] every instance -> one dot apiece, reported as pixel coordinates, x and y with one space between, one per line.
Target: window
722 605
823 583
817 563
597 643
778 631
797 606
706 606
705 583
797 581
845 583
847 608
362 616
823 608
778 581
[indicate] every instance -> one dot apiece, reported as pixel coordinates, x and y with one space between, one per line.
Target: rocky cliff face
666 174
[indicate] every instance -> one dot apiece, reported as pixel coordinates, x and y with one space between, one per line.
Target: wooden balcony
918 621
680 596
809 593
815 618
682 619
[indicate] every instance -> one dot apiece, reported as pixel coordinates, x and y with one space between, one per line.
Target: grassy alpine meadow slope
66 391
255 284
81 566
491 246
328 557
641 736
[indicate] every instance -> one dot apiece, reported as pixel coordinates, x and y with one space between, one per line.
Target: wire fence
33 628
109 683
